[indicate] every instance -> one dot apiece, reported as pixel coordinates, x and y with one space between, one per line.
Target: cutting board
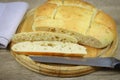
59 69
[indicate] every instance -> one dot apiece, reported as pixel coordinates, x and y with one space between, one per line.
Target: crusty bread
42 36
64 22
76 18
49 48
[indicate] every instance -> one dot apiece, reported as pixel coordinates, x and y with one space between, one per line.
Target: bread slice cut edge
49 48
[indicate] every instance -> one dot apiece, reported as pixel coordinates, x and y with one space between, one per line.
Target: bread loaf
49 48
77 18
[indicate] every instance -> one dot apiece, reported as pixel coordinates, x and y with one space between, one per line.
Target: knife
108 62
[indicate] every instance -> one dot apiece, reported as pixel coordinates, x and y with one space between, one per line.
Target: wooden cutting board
58 69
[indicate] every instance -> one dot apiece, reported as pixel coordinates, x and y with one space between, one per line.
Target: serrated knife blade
109 62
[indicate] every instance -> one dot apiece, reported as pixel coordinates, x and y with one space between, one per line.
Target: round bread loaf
77 18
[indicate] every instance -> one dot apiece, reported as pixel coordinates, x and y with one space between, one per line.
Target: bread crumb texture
49 46
42 36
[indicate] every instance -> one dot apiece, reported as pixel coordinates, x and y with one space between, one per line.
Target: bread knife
108 62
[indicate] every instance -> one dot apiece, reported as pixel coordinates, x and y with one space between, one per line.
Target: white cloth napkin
11 15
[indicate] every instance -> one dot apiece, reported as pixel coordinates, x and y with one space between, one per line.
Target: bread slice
42 36
49 48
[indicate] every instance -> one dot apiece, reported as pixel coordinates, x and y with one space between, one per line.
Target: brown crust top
77 16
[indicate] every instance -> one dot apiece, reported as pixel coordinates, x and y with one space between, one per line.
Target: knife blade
109 62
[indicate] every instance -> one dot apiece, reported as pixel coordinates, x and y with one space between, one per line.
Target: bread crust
50 54
76 16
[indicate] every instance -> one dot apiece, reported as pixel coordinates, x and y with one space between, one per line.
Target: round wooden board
58 69
64 70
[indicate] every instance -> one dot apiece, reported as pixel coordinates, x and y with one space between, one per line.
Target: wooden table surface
10 69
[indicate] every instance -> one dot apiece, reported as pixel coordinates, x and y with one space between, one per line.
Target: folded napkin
11 15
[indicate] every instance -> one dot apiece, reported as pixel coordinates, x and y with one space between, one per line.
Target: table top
10 69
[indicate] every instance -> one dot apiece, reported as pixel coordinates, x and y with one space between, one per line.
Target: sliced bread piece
49 48
42 36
